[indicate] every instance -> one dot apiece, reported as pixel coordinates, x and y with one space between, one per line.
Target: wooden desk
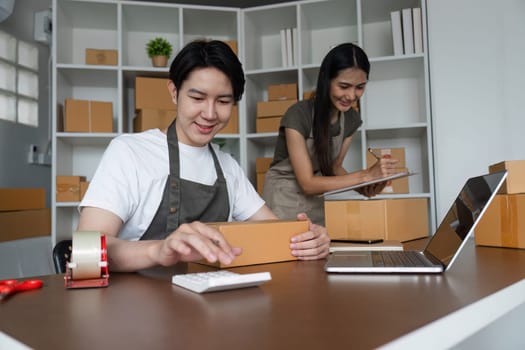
301 308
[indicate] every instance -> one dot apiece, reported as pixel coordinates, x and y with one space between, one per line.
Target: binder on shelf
295 46
408 34
284 54
417 29
289 51
397 33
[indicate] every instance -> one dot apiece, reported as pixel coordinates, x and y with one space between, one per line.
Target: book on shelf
397 32
284 53
289 50
295 46
417 30
408 33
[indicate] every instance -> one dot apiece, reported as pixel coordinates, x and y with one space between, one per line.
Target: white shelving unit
395 107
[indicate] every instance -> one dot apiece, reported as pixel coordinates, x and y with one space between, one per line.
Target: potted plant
159 50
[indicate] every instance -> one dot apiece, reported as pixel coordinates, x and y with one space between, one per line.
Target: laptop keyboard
399 258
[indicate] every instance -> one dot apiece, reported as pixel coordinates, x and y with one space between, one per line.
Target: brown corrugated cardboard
22 198
149 118
233 45
267 124
308 94
261 166
68 188
268 109
233 124
23 224
261 241
280 92
83 188
152 93
395 186
88 116
102 57
389 219
503 224
515 182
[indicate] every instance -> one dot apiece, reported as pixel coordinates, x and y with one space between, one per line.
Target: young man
153 190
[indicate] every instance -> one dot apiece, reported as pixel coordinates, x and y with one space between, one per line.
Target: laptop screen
461 218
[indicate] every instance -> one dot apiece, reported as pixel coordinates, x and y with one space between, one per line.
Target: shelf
86 139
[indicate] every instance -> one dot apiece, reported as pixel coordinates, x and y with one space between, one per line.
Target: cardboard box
262 242
389 219
267 109
233 45
395 186
152 93
68 188
102 57
503 224
515 181
261 167
267 124
282 92
308 94
22 198
21 224
233 124
83 188
88 116
149 118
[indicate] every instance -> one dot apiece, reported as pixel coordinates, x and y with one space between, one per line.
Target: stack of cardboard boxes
269 113
23 213
153 104
503 224
261 167
400 219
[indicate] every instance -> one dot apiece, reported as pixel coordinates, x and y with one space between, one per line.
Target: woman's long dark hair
340 57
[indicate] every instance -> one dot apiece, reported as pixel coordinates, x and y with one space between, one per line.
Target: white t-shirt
132 174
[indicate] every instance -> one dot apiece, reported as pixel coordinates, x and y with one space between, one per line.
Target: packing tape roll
86 253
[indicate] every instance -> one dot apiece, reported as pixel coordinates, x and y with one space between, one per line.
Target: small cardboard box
261 167
152 93
88 116
21 224
68 188
503 224
515 181
267 124
281 92
395 186
389 219
262 242
233 124
22 198
308 94
233 45
83 188
102 57
268 109
149 118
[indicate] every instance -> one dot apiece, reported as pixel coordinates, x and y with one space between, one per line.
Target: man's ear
173 91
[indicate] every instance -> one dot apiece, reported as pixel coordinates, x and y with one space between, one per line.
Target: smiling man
153 191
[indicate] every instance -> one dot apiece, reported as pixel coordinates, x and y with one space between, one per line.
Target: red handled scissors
9 287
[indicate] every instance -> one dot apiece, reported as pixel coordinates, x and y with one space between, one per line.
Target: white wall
477 72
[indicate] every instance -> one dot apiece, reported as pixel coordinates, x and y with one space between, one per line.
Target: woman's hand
311 245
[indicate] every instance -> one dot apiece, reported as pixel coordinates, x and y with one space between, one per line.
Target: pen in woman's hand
373 153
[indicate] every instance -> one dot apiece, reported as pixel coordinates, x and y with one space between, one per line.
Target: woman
315 135
153 190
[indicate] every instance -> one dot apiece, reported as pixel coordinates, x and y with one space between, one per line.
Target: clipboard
371 182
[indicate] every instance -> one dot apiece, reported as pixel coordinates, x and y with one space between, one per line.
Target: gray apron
185 201
282 191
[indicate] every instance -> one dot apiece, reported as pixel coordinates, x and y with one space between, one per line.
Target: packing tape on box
87 253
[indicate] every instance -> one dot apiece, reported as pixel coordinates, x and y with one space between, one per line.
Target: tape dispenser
88 266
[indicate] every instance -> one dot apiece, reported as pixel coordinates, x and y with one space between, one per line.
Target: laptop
444 246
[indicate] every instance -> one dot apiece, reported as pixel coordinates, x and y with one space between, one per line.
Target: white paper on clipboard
371 182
